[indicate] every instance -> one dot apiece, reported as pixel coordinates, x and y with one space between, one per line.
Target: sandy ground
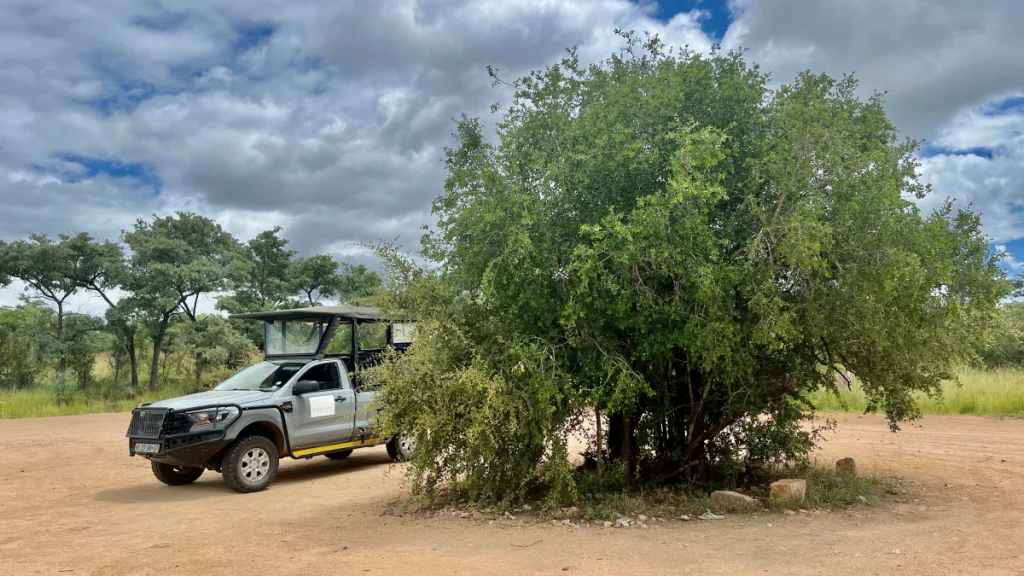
72 501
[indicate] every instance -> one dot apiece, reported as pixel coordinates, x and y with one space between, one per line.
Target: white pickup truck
300 401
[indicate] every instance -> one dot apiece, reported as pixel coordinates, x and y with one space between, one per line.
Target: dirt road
72 501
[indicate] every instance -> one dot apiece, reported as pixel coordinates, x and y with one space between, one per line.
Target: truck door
366 415
325 417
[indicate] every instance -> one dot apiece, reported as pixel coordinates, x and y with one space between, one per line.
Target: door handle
339 398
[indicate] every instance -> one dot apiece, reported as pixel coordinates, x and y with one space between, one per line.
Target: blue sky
328 117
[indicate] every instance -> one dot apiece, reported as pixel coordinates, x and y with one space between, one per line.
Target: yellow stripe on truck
332 447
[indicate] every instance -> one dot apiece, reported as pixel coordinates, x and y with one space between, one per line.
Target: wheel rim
407 446
254 465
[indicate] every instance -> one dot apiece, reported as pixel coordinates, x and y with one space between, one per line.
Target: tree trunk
158 342
133 360
622 444
600 442
62 366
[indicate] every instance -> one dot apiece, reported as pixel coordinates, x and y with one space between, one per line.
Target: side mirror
305 387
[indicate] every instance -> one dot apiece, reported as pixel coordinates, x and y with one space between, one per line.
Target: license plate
144 448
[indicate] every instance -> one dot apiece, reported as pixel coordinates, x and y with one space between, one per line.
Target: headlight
208 419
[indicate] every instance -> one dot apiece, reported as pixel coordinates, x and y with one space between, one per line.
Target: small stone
567 522
527 507
709 516
684 518
733 501
608 524
769 525
489 522
644 526
463 514
789 513
847 466
556 523
789 491
802 511
622 523
862 500
642 518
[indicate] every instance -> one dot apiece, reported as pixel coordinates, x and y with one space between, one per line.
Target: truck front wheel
250 464
175 475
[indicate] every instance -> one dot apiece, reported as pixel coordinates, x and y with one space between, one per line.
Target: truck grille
147 423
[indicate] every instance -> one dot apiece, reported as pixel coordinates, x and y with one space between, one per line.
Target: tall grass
997 392
103 393
40 401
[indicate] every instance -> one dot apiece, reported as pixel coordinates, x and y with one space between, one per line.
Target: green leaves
178 258
660 237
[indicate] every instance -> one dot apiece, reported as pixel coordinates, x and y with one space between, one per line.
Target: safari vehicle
303 400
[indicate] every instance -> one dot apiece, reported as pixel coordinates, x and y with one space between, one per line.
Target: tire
401 448
175 475
339 455
250 464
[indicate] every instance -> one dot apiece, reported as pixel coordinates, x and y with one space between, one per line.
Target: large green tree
316 277
662 239
175 260
53 271
263 280
357 283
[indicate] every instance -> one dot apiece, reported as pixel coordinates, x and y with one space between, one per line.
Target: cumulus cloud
326 117
329 117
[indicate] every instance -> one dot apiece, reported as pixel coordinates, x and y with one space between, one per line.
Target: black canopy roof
356 312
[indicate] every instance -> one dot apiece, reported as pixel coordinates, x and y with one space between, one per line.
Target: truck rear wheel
250 464
175 475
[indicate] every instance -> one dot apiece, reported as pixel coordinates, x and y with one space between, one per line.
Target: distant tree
19 353
52 271
1004 346
316 277
263 279
213 343
356 283
174 261
86 338
105 271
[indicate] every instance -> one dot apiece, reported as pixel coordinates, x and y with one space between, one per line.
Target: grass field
982 393
998 392
39 402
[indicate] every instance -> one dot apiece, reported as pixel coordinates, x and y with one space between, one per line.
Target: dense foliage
662 240
152 284
1005 345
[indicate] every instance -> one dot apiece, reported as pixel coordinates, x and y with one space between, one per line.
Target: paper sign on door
320 406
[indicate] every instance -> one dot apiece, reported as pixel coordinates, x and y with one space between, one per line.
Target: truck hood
213 397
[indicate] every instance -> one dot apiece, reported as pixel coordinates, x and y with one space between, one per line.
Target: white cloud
328 117
1011 261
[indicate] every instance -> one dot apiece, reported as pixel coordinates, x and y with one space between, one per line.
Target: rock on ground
847 466
733 501
789 491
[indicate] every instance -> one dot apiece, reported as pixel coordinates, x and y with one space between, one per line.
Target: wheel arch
269 430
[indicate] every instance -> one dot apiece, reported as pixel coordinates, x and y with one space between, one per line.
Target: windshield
294 336
263 376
